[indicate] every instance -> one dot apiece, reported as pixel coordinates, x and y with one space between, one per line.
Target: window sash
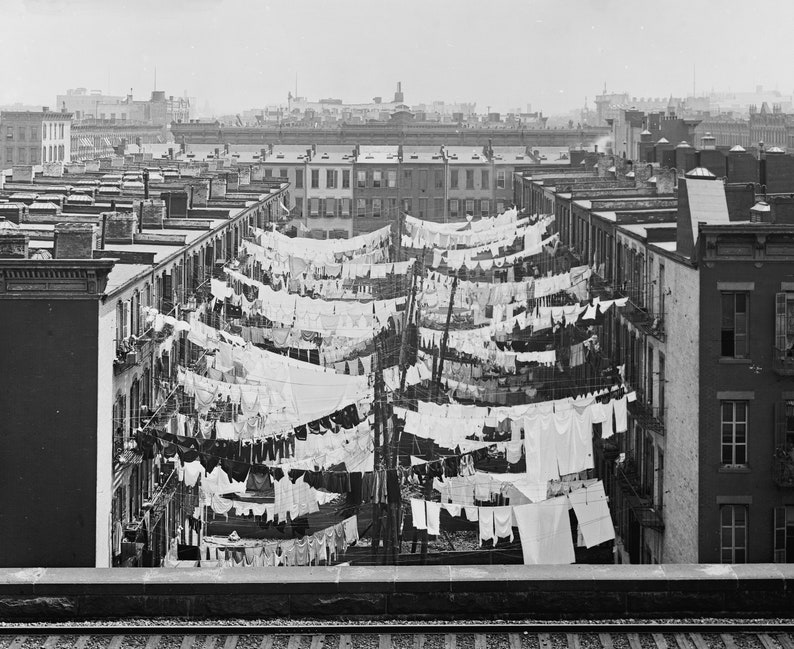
733 533
733 415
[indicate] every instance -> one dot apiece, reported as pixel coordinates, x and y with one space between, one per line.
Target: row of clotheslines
544 526
414 225
491 357
555 443
293 265
466 238
437 289
470 341
314 314
324 546
308 391
456 259
327 249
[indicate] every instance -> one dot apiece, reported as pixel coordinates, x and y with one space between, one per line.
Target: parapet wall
572 592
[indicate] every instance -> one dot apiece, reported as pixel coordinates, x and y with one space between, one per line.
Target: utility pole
445 337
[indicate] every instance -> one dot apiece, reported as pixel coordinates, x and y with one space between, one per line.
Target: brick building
32 137
703 473
93 265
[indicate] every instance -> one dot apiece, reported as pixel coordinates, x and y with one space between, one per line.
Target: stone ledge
595 591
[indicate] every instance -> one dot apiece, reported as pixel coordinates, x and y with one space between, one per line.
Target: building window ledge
735 468
727 360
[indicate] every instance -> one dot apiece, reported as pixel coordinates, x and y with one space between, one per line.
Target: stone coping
388 579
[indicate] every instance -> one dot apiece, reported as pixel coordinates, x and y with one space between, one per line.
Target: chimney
761 213
708 142
121 227
74 241
13 244
45 109
665 180
151 213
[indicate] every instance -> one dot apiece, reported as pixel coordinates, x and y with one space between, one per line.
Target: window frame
735 443
734 526
740 341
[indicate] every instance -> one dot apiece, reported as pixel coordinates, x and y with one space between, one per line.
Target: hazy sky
239 54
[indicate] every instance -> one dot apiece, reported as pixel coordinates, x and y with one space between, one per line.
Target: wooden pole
445 336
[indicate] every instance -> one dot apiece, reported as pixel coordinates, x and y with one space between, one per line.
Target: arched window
60 151
44 154
43 131
49 157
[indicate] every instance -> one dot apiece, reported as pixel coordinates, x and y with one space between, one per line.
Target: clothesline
543 526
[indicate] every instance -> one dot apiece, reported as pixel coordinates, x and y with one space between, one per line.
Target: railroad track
415 635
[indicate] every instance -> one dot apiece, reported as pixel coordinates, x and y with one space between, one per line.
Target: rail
478 635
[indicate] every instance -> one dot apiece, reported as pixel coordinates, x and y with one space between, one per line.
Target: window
315 178
439 178
361 207
453 179
659 501
282 173
376 207
391 179
314 207
268 173
500 180
784 534
649 399
662 381
486 179
346 207
330 207
453 207
500 207
423 179
648 466
407 205
734 324
361 179
377 177
331 177
43 131
9 132
784 321
9 154
60 152
346 179
422 208
61 131
299 179
438 207
733 533
734 433
470 207
22 130
485 207
34 133
408 177
21 155
34 155
469 178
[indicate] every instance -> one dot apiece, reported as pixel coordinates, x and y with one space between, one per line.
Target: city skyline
441 48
